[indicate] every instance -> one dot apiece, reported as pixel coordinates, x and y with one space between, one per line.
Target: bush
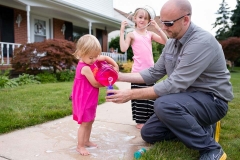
231 48
26 79
6 82
55 54
46 77
65 75
126 67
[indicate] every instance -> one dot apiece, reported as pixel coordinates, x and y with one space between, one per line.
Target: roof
122 13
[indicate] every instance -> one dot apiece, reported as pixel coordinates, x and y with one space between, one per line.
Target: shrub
55 54
231 48
126 67
26 79
5 82
46 77
65 75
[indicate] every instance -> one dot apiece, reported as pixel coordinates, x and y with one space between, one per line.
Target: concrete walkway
113 131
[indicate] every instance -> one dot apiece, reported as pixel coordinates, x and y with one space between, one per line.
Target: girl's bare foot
139 126
83 151
90 144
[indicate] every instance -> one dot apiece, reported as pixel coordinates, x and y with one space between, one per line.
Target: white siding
104 7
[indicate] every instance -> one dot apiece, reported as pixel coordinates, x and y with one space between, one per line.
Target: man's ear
187 20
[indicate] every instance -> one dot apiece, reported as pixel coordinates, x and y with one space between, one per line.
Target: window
79 32
40 29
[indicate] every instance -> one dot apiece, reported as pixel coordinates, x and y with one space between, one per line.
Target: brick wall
105 41
57 26
20 33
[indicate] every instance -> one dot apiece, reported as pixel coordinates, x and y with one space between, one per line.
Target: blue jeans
187 117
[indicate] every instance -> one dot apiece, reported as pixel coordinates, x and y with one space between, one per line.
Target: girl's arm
124 44
86 70
161 38
110 61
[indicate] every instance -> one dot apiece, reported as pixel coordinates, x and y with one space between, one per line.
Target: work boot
216 154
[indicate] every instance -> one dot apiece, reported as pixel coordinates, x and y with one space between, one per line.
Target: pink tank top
142 52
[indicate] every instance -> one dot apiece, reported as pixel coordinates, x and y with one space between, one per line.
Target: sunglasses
171 23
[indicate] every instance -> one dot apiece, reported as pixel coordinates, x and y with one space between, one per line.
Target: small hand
116 69
123 25
154 23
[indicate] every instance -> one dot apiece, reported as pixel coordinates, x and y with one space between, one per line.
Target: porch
7 51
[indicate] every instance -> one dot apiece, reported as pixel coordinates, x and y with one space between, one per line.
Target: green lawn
29 105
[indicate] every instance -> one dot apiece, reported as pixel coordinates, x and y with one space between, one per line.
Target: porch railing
116 56
6 53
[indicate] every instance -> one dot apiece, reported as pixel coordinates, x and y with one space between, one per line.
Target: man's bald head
179 7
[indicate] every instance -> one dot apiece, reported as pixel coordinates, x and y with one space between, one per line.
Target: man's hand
118 96
122 96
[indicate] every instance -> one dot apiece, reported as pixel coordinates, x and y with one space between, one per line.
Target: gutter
86 11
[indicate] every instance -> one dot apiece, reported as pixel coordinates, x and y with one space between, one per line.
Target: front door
99 36
6 28
39 28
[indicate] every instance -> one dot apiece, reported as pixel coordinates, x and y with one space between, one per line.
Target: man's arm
130 77
143 93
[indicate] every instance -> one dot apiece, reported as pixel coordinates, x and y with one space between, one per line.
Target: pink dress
84 97
142 52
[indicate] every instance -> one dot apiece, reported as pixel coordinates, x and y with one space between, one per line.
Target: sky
203 11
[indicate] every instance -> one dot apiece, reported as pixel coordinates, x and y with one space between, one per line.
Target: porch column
89 27
28 24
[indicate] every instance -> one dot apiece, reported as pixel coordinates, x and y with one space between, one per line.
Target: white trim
28 24
51 28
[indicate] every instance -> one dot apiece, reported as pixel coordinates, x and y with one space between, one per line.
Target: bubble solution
139 153
104 74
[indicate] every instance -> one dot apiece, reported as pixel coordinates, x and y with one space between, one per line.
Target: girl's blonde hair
87 44
141 10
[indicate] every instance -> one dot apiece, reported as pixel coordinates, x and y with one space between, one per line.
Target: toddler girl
86 89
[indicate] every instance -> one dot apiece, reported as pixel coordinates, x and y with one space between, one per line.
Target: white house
28 21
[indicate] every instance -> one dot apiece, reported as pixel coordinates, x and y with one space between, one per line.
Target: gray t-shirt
196 62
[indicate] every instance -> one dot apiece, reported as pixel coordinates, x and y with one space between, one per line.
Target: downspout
28 24
89 27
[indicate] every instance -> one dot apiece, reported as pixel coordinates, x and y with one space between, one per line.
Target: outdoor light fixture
63 28
19 19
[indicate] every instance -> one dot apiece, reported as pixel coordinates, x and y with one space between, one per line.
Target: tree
235 18
223 21
115 43
231 48
52 53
